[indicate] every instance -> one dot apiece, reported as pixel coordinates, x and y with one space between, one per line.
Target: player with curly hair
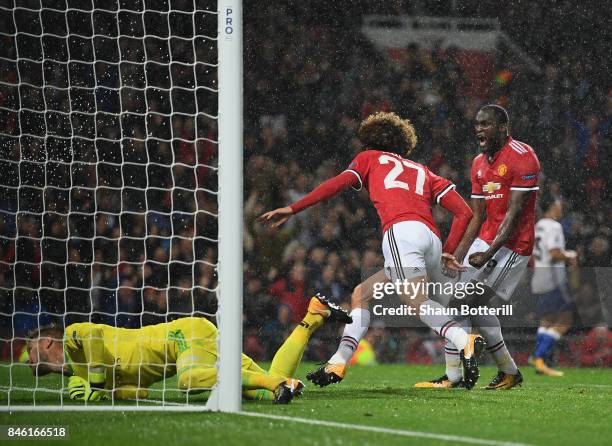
403 193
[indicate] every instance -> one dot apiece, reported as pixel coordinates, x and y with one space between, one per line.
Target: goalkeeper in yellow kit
101 359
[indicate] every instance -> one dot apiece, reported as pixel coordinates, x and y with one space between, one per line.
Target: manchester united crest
502 169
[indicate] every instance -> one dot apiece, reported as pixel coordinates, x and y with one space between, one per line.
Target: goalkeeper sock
258 395
196 379
256 380
289 355
351 336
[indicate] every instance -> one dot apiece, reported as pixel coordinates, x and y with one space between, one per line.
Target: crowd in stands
309 79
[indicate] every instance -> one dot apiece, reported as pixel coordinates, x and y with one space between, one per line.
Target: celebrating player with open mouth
403 193
504 188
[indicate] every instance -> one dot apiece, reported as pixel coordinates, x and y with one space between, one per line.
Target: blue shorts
554 301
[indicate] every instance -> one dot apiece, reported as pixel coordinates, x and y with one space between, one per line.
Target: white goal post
121 132
230 205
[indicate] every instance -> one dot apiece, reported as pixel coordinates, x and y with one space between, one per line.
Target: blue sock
544 344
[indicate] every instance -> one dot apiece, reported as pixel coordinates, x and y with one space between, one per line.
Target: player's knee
357 298
197 379
184 382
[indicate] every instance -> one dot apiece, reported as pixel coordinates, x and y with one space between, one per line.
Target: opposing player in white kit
403 193
504 184
549 283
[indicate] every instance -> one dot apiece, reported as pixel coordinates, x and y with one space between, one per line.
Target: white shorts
412 250
502 273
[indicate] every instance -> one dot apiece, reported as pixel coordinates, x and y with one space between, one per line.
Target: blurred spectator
291 291
595 349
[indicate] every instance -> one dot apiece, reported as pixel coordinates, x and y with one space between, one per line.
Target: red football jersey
514 167
400 189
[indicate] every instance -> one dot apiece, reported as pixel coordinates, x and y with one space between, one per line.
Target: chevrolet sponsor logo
490 187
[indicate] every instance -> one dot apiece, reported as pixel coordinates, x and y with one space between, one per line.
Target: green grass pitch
571 410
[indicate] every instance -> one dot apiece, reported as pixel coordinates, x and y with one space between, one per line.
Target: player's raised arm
326 190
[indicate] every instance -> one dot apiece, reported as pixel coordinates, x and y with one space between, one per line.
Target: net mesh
108 154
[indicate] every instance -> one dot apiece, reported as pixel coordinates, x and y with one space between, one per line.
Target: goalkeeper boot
505 381
320 304
542 368
441 383
286 391
469 359
327 374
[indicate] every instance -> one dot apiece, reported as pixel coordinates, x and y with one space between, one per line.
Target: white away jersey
547 274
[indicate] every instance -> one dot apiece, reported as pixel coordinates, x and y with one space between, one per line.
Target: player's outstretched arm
277 217
516 202
326 190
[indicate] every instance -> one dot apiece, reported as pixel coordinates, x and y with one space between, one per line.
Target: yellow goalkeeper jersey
140 357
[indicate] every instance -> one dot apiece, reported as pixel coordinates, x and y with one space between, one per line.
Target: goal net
120 190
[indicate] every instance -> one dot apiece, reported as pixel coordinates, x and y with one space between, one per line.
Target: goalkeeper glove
79 389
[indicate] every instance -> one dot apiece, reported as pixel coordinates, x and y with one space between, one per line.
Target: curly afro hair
388 132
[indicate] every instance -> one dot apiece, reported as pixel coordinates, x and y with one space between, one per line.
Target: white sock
451 355
490 329
552 333
443 325
351 336
453 363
